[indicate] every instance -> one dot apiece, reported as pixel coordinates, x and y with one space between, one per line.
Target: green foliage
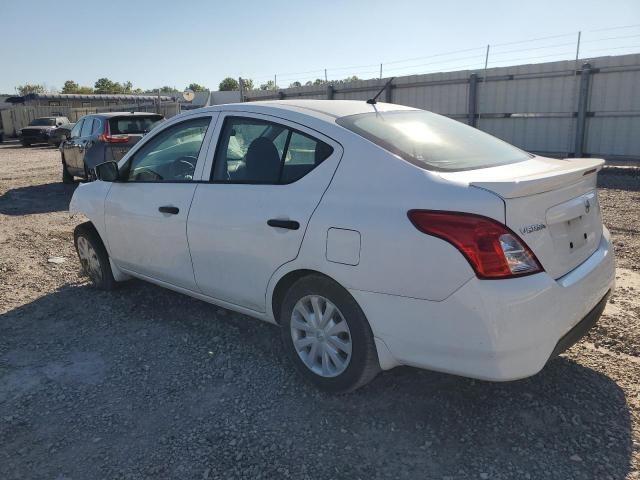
295 84
248 84
228 84
196 87
270 85
72 87
105 85
28 88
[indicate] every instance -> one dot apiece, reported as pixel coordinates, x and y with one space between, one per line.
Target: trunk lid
551 204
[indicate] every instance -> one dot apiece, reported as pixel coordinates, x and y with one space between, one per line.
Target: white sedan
374 235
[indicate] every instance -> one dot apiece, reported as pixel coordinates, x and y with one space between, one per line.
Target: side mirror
107 171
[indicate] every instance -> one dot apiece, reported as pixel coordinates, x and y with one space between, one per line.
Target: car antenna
373 101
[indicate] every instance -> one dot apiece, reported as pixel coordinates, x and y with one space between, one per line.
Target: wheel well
284 284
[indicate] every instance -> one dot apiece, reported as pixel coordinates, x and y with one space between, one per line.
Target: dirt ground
146 383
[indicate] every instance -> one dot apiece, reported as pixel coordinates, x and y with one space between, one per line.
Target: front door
146 213
267 179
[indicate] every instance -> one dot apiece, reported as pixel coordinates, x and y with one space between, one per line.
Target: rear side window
259 152
431 141
97 126
75 131
86 127
137 124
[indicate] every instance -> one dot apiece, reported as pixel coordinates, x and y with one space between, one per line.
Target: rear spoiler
574 170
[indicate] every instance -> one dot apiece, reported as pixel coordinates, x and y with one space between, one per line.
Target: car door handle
169 209
288 224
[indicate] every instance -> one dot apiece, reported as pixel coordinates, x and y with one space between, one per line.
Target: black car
40 129
101 138
60 134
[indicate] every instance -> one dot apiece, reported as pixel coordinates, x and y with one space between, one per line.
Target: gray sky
154 43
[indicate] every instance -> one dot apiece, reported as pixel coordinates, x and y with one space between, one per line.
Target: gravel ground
146 383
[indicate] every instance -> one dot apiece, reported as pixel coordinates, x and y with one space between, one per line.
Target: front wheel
93 256
327 335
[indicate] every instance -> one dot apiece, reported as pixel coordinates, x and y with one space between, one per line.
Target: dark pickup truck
39 130
102 137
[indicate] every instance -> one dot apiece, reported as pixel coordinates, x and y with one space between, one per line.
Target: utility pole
325 76
484 78
381 71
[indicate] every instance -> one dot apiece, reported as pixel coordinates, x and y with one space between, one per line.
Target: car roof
315 108
121 114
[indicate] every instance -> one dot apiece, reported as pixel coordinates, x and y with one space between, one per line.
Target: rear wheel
93 256
327 335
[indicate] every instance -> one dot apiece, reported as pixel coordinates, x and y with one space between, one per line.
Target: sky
155 43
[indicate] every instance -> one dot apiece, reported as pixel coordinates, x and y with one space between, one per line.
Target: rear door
146 213
70 149
268 176
83 143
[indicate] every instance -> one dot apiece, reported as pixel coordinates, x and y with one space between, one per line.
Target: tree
104 85
248 84
70 87
196 87
28 88
295 84
228 84
270 85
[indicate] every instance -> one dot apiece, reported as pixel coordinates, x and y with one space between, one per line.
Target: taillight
491 248
108 138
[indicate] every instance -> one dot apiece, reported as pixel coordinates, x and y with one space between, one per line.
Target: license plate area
576 233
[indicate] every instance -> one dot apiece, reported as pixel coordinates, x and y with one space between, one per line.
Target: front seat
262 161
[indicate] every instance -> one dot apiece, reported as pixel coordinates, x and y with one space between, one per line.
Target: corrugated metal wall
533 106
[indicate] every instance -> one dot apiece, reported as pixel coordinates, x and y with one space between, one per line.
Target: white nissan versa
374 234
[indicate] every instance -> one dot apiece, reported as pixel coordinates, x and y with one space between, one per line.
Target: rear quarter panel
371 193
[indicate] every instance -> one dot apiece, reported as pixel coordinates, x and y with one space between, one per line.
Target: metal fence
565 108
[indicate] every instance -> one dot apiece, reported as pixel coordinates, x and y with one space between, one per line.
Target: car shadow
44 198
164 365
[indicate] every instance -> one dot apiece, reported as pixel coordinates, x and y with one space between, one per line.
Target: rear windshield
133 124
43 122
431 141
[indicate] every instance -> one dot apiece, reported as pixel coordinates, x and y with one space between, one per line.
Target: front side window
170 156
259 152
432 141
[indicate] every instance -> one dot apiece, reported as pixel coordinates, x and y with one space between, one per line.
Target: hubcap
89 259
321 336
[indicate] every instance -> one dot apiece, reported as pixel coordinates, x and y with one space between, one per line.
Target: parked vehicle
100 138
374 235
60 134
39 130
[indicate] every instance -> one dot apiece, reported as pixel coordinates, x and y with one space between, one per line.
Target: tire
66 176
93 256
25 144
361 363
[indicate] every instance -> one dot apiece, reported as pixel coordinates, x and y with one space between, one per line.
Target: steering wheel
184 167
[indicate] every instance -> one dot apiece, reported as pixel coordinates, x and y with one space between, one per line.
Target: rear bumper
493 330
